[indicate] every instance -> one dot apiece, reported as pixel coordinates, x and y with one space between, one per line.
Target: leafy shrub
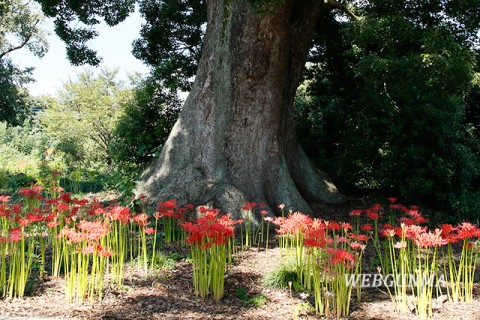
281 276
144 126
408 137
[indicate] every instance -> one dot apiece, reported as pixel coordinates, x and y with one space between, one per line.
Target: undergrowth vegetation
321 259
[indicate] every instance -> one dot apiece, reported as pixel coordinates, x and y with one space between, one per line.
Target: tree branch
20 46
341 6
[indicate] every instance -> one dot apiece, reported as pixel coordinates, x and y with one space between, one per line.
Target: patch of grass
164 261
256 301
281 276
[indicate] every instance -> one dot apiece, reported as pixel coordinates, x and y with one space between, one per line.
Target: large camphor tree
234 140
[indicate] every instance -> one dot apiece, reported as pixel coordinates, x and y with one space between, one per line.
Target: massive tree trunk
235 140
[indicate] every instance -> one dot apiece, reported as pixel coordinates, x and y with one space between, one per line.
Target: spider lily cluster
88 240
324 252
407 249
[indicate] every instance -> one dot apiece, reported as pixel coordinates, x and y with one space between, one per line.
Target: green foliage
388 103
22 150
281 276
256 301
88 14
84 116
163 261
20 27
144 126
171 39
15 101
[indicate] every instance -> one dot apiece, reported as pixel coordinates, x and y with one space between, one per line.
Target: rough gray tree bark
235 140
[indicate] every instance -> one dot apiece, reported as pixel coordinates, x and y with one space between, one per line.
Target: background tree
20 28
234 140
15 101
386 100
171 38
143 127
84 115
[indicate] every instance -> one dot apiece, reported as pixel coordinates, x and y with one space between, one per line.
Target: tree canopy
20 28
387 88
85 114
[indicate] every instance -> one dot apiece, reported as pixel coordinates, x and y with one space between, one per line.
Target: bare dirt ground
169 294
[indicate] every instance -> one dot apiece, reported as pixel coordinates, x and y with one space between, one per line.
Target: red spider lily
62 207
346 226
34 217
66 197
395 207
262 204
84 202
15 235
387 233
52 201
429 240
362 237
34 192
407 221
392 200
315 235
103 252
72 235
295 223
340 256
167 213
355 213
376 207
400 245
366 227
149 230
413 231
264 212
17 208
4 211
141 219
202 209
74 211
342 240
4 198
23 222
249 206
169 204
88 249
467 230
449 233
333 225
357 245
118 213
210 229
52 224
416 216
93 230
373 215
398 231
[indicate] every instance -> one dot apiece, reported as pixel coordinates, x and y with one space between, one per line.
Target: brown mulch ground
169 294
